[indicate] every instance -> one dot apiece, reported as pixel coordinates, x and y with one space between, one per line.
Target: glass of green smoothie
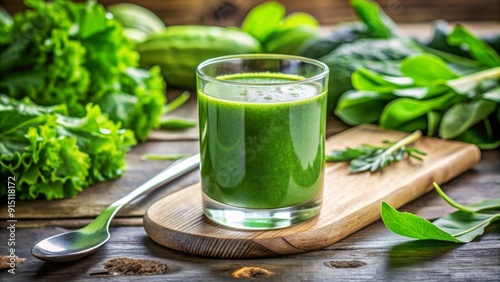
262 139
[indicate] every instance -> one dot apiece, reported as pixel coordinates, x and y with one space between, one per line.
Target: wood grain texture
351 201
232 12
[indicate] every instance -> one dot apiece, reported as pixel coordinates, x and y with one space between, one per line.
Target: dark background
328 12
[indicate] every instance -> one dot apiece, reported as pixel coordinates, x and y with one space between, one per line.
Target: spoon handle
173 171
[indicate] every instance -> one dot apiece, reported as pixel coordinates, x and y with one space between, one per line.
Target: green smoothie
262 146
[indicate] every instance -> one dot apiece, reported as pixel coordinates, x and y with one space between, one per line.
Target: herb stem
401 143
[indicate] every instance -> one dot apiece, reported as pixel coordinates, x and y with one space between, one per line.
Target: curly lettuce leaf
62 52
54 155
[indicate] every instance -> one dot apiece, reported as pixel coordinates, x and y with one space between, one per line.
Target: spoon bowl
69 246
79 243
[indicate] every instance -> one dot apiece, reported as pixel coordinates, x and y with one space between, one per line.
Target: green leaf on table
461 226
263 19
411 225
465 226
477 47
462 116
176 103
176 123
426 69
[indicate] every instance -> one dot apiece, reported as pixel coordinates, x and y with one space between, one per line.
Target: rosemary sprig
371 158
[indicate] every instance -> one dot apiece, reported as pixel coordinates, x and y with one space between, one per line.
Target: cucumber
136 17
178 50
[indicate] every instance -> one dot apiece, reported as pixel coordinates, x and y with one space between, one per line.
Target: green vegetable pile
72 98
73 53
55 155
449 87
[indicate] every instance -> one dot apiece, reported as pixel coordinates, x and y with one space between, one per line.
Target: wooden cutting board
350 202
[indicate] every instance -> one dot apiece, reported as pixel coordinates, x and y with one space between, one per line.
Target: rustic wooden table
373 253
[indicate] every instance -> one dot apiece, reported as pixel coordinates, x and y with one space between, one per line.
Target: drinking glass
262 139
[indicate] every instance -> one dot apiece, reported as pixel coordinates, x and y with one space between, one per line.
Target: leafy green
428 95
478 49
74 53
413 226
371 158
277 33
461 226
435 70
460 117
379 24
380 55
55 155
378 74
270 12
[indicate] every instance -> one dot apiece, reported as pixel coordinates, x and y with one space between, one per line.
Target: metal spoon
76 244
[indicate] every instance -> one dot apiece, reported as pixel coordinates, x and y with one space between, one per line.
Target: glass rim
257 56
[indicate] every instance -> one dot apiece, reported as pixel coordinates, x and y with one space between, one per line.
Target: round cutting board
350 202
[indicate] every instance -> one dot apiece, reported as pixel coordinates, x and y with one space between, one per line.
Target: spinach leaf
298 19
480 136
381 55
379 24
413 226
433 121
399 112
488 204
426 69
366 80
461 226
462 116
271 12
465 226
343 33
359 107
479 50
439 40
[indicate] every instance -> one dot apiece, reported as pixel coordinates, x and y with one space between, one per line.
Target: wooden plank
387 257
351 201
